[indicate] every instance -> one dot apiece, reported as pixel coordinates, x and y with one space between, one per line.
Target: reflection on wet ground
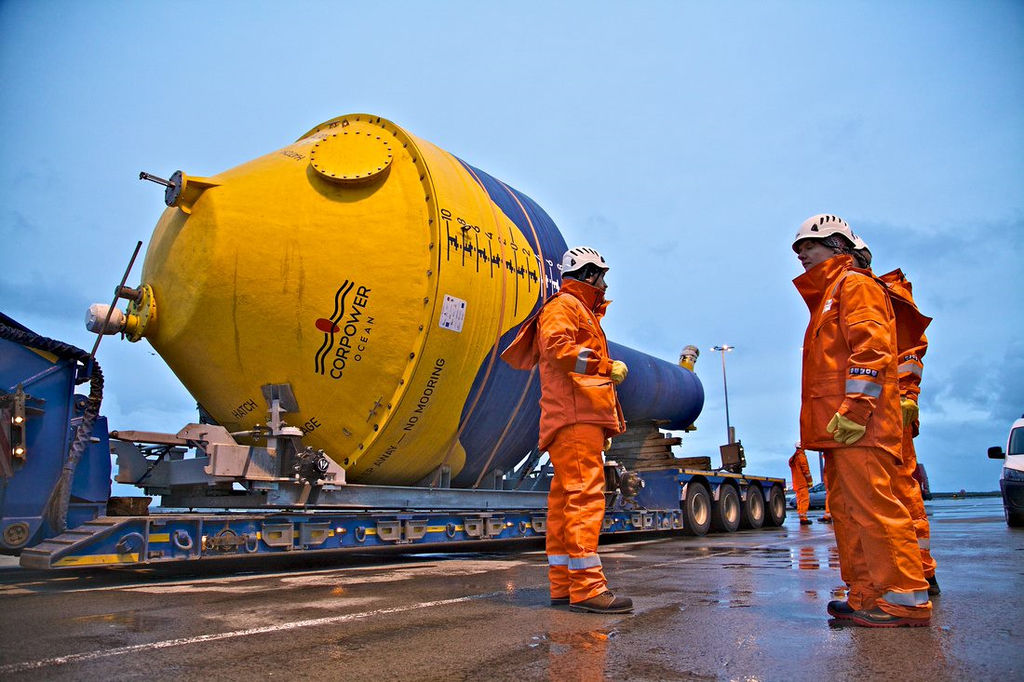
127 621
814 557
575 655
804 558
746 605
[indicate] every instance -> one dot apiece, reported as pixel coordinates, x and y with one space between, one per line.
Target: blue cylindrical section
657 390
503 425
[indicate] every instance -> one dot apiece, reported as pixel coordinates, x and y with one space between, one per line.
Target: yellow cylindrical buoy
376 274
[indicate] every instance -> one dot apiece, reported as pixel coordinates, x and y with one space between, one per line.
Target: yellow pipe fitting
184 190
688 357
140 314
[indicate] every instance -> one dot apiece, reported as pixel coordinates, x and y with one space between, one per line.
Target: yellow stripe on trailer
98 560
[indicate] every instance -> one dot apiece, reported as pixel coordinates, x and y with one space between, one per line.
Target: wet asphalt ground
742 606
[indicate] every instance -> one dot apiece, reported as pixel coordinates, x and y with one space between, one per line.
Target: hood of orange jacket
911 343
849 356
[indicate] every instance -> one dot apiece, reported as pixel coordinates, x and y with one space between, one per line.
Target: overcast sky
684 140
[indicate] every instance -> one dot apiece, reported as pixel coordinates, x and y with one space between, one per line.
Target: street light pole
728 427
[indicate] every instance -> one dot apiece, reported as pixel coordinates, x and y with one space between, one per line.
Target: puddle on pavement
838 592
729 602
575 655
806 558
131 621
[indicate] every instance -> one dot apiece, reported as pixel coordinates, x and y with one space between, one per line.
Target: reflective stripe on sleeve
581 562
912 367
924 543
866 387
916 598
581 360
558 560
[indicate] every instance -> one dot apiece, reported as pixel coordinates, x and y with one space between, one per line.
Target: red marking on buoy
327 327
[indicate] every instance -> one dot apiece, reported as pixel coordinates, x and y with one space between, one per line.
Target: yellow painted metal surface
319 265
44 354
98 560
140 313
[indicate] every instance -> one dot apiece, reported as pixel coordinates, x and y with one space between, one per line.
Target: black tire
725 512
775 508
1014 519
696 509
753 508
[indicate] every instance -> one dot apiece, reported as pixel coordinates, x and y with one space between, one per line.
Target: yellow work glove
619 371
845 431
607 444
910 411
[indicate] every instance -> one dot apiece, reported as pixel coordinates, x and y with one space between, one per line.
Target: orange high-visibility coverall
579 409
911 345
849 367
802 480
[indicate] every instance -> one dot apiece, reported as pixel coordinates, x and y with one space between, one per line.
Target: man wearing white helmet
912 344
579 411
850 410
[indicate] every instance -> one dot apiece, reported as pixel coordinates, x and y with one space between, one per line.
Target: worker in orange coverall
827 516
579 410
802 481
850 410
912 344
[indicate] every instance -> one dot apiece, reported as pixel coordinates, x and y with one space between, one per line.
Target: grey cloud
1008 382
51 298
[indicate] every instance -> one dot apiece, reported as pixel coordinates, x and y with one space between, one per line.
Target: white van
1012 481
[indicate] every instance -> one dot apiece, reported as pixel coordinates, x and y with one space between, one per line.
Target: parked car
1011 483
817 492
816 495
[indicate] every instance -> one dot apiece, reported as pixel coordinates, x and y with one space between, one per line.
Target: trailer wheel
697 509
725 513
753 508
775 510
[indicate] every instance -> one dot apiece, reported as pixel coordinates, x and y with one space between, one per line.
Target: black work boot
559 601
606 602
877 618
933 587
840 610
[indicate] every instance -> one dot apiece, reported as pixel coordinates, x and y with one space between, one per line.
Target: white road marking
311 579
185 641
283 627
26 588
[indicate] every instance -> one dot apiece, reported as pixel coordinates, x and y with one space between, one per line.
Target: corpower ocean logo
346 331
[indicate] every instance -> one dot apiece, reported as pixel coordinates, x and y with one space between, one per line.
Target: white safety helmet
576 257
823 225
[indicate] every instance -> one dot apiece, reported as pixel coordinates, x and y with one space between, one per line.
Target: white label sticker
453 313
